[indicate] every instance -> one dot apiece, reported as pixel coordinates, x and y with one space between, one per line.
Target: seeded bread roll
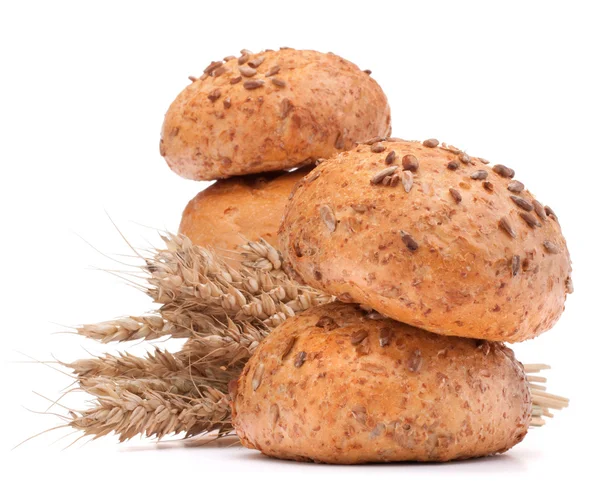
270 111
430 236
337 385
228 211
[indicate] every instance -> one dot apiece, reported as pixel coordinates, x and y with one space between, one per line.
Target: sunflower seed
287 347
390 158
192 78
300 359
551 247
504 171
286 106
506 227
409 241
358 336
258 375
516 264
219 71
539 210
453 165
256 62
550 213
374 140
253 84
273 70
569 285
385 334
360 208
213 66
484 161
410 163
227 103
522 203
360 414
247 71
312 176
214 95
378 177
235 80
455 195
228 58
415 361
489 186
377 148
431 143
328 217
274 415
531 221
479 175
339 141
326 322
464 158
407 181
451 149
516 186
243 58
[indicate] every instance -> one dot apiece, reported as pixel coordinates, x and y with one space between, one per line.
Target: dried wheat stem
542 401
532 368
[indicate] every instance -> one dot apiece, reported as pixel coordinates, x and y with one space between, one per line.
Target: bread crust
338 385
229 212
458 254
314 106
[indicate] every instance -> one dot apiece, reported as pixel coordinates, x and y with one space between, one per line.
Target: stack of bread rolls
435 258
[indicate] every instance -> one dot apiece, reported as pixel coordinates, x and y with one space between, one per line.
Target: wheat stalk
541 400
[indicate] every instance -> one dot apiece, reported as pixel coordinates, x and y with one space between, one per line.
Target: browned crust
231 211
321 104
441 256
322 387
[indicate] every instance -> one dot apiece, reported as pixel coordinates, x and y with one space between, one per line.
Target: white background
83 89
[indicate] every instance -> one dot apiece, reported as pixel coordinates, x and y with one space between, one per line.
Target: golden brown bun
440 256
314 106
322 387
228 211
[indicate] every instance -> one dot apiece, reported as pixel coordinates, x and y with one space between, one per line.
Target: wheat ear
198 292
150 408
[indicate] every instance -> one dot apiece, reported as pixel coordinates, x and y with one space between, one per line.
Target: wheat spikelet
131 328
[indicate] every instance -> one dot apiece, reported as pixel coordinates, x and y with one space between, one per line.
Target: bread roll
430 236
228 211
337 385
270 111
